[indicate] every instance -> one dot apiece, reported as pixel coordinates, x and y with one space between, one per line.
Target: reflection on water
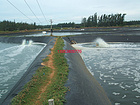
117 69
55 34
62 33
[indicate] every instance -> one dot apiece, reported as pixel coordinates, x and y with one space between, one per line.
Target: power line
41 10
31 10
19 10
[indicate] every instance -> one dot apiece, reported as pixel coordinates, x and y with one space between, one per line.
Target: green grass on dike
56 90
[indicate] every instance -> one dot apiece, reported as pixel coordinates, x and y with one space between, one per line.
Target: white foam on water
137 79
137 75
136 90
10 48
138 85
3 92
35 43
124 96
30 42
112 78
113 83
107 76
6 61
135 103
116 67
23 42
101 75
121 86
115 73
115 93
78 46
22 56
100 78
101 43
117 104
26 42
104 81
16 51
128 86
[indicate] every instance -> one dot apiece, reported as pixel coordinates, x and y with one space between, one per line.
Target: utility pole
51 26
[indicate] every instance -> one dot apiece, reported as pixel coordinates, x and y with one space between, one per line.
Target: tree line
103 20
99 21
64 25
12 26
134 22
92 21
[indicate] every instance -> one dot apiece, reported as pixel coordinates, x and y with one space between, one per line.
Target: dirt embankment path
49 64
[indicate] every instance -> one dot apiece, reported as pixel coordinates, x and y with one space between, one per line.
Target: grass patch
31 89
55 90
18 31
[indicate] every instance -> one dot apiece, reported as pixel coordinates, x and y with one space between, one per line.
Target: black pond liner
32 68
105 37
84 88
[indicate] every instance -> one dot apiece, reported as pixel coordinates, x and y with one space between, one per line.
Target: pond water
61 33
54 34
14 61
116 66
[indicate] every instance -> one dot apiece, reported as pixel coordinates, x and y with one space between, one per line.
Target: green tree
83 22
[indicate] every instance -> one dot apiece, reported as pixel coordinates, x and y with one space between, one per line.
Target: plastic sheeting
32 68
107 38
83 88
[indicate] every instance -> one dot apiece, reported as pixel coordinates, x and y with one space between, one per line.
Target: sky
61 11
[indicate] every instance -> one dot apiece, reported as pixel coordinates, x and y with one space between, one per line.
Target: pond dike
19 33
32 68
84 88
106 37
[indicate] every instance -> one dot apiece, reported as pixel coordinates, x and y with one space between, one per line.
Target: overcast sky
66 10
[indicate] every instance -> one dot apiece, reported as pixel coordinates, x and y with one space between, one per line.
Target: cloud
68 10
